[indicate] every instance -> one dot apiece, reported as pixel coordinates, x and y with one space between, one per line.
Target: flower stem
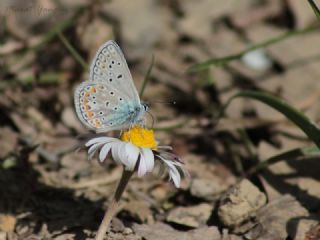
126 175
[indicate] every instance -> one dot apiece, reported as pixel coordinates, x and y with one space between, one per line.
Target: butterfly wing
110 66
102 107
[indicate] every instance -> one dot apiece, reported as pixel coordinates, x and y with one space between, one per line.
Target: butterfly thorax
138 113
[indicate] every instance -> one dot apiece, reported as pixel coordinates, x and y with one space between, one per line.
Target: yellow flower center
141 137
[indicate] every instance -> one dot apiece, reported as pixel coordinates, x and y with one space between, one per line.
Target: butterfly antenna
164 102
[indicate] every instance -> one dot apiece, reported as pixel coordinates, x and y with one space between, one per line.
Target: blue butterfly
109 100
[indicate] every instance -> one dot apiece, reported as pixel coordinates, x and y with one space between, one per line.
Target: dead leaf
7 223
140 32
304 228
140 209
302 13
160 231
273 218
240 203
194 216
208 188
8 141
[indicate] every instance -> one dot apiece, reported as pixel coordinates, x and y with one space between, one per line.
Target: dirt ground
49 189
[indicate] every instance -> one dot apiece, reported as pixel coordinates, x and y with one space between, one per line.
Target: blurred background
50 191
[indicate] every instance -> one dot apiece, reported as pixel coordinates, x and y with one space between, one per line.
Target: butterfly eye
120 99
94 102
111 93
110 79
110 66
112 62
111 123
100 113
119 63
115 108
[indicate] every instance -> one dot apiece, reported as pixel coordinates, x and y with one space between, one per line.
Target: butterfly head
145 107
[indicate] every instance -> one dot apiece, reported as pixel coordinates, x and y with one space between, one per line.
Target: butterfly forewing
110 66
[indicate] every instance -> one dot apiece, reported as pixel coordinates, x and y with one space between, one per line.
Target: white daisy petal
132 154
174 173
92 151
99 140
115 150
149 158
93 148
104 151
122 155
142 169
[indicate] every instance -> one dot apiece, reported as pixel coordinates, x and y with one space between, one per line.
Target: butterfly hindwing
102 107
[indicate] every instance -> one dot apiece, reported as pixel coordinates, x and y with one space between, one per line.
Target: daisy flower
138 150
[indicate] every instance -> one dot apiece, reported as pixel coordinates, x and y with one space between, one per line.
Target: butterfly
109 100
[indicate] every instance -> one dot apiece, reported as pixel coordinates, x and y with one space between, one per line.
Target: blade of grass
72 50
315 8
280 105
147 77
224 60
291 154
